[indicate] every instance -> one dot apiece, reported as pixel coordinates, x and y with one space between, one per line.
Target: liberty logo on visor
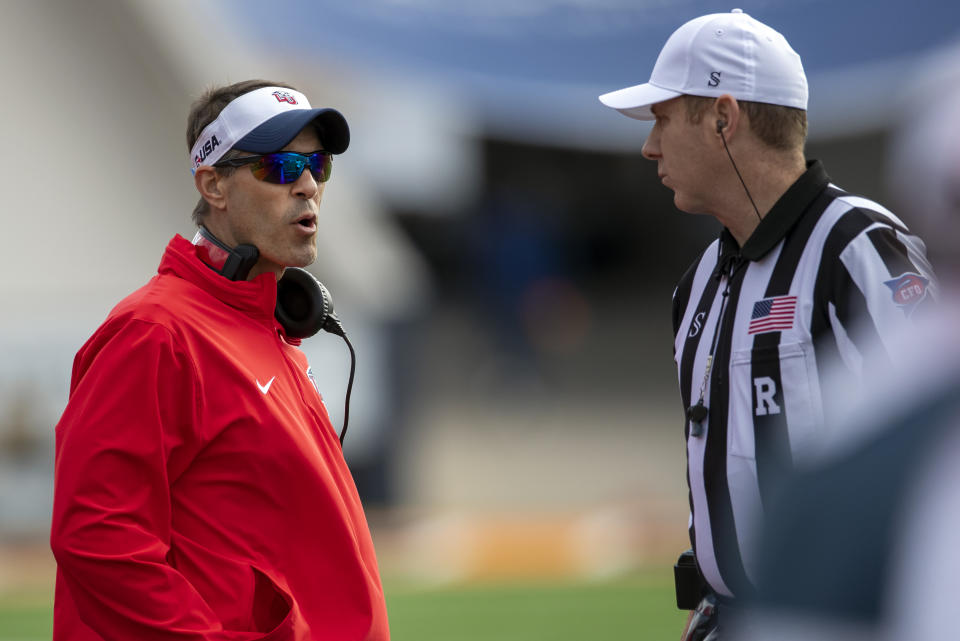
285 96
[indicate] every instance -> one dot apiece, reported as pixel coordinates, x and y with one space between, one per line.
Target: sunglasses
284 167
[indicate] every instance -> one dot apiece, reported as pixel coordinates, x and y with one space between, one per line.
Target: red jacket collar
256 298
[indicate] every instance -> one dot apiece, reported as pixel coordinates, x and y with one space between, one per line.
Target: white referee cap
721 53
265 120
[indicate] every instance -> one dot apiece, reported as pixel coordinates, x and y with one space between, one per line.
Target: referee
802 274
862 543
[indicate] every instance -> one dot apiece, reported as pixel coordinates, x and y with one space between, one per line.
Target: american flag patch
773 314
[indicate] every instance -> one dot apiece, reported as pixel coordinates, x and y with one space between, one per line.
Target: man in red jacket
200 488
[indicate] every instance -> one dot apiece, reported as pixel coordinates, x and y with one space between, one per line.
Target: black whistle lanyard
697 414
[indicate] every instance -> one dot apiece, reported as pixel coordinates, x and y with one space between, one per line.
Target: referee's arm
881 280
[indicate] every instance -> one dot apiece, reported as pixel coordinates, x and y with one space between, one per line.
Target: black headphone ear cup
301 305
720 125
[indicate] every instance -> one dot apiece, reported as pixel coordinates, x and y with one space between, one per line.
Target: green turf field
637 607
640 607
25 617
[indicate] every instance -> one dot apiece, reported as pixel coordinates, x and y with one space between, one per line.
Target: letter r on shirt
766 389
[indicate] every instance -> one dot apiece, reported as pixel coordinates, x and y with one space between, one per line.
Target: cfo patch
908 290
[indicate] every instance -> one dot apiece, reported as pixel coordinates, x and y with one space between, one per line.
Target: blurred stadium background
500 253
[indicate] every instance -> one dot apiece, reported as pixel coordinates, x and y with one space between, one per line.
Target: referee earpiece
720 126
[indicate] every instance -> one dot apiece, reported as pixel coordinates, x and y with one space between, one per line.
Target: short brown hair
782 128
205 110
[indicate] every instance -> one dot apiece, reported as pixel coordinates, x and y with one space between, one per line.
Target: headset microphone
233 263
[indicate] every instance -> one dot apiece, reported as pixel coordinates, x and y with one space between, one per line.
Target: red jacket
200 488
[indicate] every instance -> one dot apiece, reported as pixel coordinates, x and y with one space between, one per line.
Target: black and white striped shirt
825 275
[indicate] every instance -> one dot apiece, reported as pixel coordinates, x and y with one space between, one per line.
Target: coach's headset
304 305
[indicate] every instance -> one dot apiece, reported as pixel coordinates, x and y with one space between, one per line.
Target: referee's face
682 149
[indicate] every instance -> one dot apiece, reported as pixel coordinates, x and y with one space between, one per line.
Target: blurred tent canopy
533 69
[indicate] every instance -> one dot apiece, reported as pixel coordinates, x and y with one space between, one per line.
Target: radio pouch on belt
689 583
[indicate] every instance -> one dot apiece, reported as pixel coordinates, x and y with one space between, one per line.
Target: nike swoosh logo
265 388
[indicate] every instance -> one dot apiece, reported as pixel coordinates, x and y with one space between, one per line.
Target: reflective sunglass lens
285 167
321 165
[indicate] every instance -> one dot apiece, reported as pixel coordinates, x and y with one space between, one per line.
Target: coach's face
682 149
280 220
